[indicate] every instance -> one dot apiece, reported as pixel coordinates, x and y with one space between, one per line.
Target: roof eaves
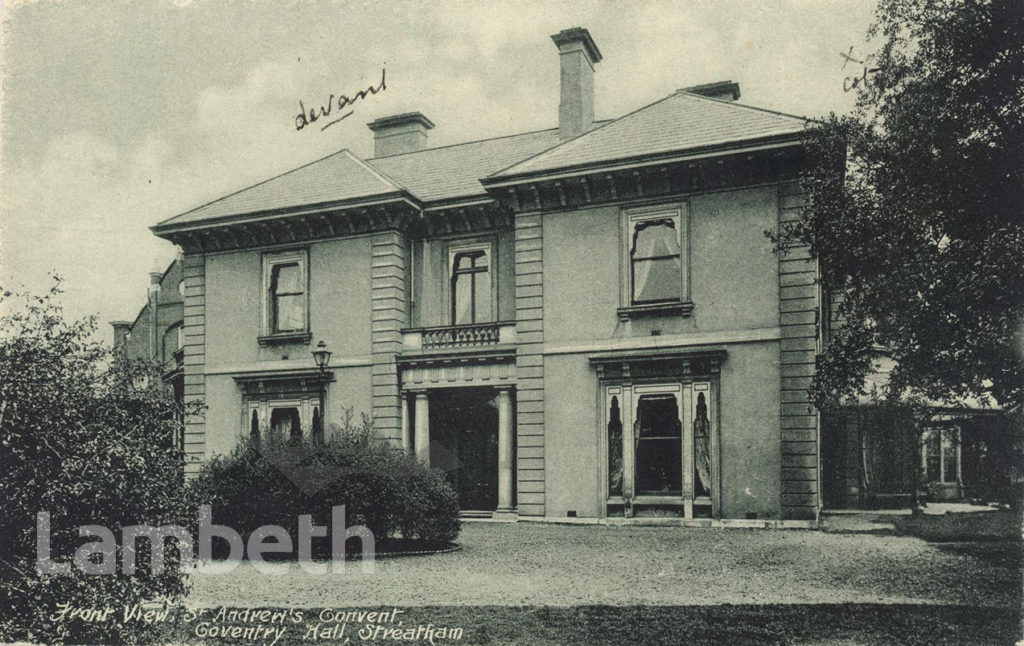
468 200
735 146
507 171
401 195
380 176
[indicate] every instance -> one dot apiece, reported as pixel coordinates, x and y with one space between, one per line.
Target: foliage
85 436
381 486
917 208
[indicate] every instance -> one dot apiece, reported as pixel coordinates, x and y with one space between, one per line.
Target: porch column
422 427
505 466
406 437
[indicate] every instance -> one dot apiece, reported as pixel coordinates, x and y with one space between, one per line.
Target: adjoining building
586 321
157 332
878 457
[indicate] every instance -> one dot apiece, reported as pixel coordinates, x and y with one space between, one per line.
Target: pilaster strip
530 474
194 275
389 316
798 306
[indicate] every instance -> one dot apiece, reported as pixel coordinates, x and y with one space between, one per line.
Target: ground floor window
659 441
940 455
282 420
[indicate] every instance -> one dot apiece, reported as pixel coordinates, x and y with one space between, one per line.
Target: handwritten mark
852 82
339 103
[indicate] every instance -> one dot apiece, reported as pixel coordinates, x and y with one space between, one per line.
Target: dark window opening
284 423
658 439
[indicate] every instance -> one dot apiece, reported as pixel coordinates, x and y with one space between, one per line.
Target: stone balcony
458 338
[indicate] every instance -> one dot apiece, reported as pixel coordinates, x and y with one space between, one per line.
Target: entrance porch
458 412
468 433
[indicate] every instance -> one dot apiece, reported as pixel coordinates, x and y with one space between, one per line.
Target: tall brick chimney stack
401 133
578 54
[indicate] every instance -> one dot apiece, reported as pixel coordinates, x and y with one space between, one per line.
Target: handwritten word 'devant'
339 103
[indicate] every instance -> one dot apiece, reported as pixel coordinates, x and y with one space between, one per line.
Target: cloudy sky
117 115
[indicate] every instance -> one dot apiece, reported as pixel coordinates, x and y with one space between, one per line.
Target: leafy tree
916 209
84 435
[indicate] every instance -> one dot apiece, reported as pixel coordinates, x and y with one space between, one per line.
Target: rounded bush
380 487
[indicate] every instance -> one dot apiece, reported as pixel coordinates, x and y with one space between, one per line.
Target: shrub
381 487
85 436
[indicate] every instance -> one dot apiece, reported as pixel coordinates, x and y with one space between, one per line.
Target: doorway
464 439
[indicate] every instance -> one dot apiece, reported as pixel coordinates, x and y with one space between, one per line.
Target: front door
464 424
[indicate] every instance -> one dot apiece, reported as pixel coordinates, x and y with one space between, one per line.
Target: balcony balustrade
458 337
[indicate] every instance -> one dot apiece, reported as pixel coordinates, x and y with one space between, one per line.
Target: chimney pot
400 133
578 53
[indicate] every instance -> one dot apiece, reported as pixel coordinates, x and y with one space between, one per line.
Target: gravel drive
558 565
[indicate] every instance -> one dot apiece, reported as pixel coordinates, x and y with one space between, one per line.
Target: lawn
552 584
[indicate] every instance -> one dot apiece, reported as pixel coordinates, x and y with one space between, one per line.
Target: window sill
678 308
285 337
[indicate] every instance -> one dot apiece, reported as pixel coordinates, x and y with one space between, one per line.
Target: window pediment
279 385
645 364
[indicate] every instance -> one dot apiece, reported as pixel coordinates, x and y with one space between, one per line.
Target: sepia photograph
543 322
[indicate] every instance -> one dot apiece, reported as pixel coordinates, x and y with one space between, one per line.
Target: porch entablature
458 368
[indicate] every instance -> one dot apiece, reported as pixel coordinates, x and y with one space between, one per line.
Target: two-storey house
586 321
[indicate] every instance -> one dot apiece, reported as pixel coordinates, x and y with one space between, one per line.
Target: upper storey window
286 293
654 258
470 284
288 296
655 263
